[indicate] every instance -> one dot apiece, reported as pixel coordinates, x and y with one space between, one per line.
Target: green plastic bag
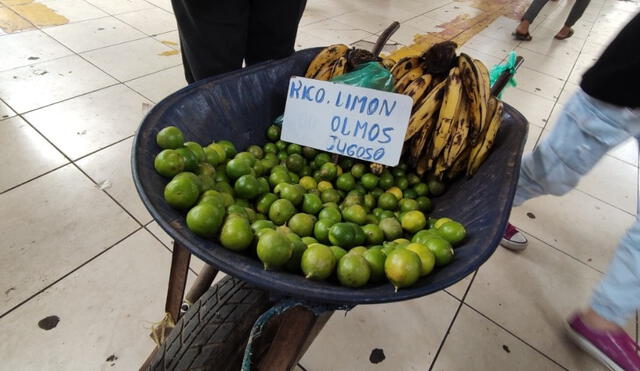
368 75
497 70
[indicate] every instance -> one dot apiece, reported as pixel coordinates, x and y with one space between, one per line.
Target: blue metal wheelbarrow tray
239 106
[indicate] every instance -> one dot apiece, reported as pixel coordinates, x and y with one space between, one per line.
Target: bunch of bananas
336 60
454 120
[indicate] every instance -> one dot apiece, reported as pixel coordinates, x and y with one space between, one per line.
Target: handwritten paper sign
351 121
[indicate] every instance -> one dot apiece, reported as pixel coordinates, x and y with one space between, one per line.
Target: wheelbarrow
214 325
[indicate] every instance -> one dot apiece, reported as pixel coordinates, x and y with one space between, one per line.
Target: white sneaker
513 239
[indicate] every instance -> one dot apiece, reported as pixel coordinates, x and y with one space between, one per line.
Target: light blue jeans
585 131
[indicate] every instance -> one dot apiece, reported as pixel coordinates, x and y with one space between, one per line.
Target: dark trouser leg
576 12
533 10
272 29
213 36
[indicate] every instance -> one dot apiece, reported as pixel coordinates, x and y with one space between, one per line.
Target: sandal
521 36
564 37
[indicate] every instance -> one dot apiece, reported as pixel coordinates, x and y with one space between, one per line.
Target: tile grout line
605 202
68 273
515 336
455 316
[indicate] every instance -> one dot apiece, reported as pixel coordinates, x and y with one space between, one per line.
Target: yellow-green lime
236 234
205 219
318 262
353 271
427 259
402 267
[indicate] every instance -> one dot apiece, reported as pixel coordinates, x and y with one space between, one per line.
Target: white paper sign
351 121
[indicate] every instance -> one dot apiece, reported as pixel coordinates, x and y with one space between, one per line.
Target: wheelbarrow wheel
213 333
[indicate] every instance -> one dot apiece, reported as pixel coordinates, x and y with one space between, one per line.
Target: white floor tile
335 32
24 48
121 6
94 34
543 286
614 182
111 167
134 59
105 312
195 264
627 151
57 222
487 59
486 347
160 84
532 139
576 223
459 288
170 39
541 84
451 11
406 33
497 48
306 40
567 92
5 111
556 66
74 10
364 20
424 24
89 122
31 87
150 21
26 152
408 333
164 4
534 107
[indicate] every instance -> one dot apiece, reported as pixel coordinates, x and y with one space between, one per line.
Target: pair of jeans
585 131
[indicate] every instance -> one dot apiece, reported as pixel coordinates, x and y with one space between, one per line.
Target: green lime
281 211
182 193
359 236
321 229
398 171
401 242
273 133
190 160
346 182
294 148
396 191
205 220
299 247
426 234
402 182
402 267
274 249
413 221
427 259
256 151
262 224
330 213
372 219
375 258
247 187
311 204
442 250
376 192
302 224
330 195
410 193
270 148
238 210
236 234
246 156
168 163
421 189
212 197
358 250
338 252
358 170
424 204
453 232
278 177
436 188
211 156
229 149
343 235
318 262
407 204
309 240
222 154
196 149
291 192
170 138
441 221
431 223
328 171
413 178
282 146
237 168
259 169
374 234
353 271
369 181
387 201
386 181
308 183
265 201
295 162
355 214
391 228
309 153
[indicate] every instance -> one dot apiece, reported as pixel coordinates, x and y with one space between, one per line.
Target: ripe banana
325 72
485 83
459 134
339 68
441 167
326 56
418 88
450 104
407 79
419 141
429 107
471 81
481 150
388 63
460 164
403 67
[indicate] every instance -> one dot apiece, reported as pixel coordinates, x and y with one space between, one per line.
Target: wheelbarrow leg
180 258
297 330
200 286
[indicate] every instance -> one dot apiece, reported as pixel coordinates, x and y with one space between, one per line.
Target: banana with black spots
326 56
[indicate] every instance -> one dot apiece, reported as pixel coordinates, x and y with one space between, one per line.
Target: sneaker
614 349
513 239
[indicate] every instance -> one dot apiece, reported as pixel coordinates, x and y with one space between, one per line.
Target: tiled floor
78 243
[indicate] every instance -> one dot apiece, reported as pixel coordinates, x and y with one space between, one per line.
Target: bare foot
564 33
523 27
595 322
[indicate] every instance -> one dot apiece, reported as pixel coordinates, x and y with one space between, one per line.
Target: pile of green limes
295 209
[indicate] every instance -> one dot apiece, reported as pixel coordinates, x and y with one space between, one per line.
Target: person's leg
576 12
529 15
273 26
212 36
586 129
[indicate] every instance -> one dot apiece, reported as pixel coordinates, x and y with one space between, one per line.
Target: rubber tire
213 333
